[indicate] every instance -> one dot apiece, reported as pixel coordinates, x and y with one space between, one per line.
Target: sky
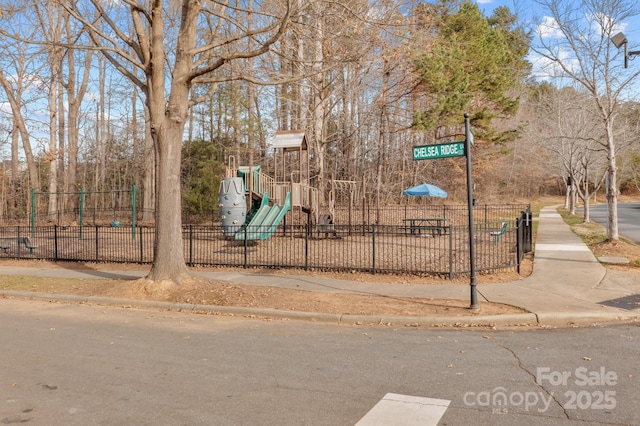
530 12
530 9
526 7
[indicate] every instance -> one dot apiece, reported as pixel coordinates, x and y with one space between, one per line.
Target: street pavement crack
531 374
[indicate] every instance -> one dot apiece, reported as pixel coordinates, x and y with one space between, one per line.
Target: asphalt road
86 365
628 219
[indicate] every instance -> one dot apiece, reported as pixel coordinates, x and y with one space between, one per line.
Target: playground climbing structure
288 190
246 192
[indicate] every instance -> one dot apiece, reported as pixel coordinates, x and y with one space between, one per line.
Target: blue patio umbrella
425 189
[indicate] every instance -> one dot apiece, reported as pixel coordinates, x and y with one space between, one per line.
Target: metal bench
498 233
26 241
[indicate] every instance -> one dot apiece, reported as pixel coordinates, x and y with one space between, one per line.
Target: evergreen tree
201 175
473 65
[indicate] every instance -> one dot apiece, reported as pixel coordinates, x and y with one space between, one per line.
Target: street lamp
621 40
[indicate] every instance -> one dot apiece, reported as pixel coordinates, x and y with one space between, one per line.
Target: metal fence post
373 249
246 254
529 247
55 242
97 255
141 244
307 230
19 244
190 245
450 252
519 242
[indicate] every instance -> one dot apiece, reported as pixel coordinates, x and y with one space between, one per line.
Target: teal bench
26 241
498 233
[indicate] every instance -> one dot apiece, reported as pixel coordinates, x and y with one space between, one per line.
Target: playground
252 205
281 221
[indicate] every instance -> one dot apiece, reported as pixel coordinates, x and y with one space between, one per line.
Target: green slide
265 221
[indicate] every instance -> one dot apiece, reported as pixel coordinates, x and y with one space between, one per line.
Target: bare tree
50 24
567 127
139 43
575 38
75 85
22 65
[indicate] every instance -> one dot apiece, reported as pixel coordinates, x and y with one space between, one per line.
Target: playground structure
288 190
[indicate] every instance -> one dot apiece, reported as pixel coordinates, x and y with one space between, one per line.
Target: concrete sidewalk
568 286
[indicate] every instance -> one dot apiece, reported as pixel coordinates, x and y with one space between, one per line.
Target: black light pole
472 256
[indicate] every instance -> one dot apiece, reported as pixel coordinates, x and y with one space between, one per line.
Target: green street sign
429 152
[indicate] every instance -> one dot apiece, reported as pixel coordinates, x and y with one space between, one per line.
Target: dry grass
594 236
212 292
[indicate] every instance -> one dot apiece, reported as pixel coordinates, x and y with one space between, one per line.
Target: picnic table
434 225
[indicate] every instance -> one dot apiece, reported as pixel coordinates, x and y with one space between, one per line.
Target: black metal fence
430 250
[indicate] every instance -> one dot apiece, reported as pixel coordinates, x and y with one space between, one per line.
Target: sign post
472 256
457 149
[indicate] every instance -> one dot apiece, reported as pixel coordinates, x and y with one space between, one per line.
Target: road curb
523 319
564 319
435 321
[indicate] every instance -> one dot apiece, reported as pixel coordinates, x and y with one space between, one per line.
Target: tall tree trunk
148 173
586 196
19 122
297 96
384 135
167 128
587 208
15 150
318 101
572 198
75 96
52 156
612 185
62 151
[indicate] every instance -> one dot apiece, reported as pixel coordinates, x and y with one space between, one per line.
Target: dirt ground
211 292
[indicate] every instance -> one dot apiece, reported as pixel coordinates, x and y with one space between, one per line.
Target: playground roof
290 139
